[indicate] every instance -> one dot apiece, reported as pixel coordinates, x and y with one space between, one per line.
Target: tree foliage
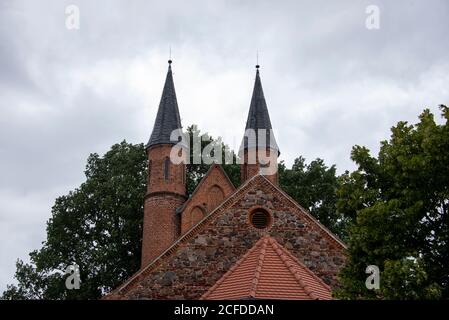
398 203
98 226
314 186
201 158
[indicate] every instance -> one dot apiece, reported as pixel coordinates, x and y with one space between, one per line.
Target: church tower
258 151
166 187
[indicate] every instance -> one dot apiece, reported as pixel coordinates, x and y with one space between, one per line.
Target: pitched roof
226 204
167 118
269 271
258 118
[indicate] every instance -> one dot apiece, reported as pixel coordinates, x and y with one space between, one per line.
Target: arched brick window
196 215
166 168
149 171
215 197
183 173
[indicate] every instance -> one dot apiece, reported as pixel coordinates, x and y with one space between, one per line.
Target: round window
260 219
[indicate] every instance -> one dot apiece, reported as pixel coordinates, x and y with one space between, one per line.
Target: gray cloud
329 82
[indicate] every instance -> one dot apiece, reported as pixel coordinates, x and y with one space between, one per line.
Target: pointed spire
258 117
167 118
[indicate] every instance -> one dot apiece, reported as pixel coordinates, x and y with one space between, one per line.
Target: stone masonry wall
199 262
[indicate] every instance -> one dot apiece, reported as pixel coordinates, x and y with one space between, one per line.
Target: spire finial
169 57
167 117
257 60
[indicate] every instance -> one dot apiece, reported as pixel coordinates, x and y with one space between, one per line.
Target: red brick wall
209 194
157 182
249 169
165 193
160 224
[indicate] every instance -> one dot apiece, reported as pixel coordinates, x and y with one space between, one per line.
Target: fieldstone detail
198 259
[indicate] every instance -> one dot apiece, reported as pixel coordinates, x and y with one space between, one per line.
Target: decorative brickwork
211 191
202 256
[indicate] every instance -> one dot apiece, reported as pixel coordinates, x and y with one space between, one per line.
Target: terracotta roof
269 271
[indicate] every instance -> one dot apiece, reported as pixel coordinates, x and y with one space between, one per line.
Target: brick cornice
164 193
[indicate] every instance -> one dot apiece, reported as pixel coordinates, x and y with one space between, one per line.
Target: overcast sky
329 82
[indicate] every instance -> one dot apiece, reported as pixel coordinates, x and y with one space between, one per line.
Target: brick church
223 242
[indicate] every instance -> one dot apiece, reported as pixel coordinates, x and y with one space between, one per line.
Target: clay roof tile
275 274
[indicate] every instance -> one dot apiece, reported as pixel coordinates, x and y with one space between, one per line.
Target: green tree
98 226
196 171
398 203
314 186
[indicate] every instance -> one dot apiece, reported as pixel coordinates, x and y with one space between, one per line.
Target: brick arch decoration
200 196
215 196
196 214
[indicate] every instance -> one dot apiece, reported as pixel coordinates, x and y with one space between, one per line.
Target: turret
166 188
258 151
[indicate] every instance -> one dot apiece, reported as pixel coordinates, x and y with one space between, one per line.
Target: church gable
203 255
210 192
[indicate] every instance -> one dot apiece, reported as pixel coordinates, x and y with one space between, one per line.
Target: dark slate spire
167 118
258 117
